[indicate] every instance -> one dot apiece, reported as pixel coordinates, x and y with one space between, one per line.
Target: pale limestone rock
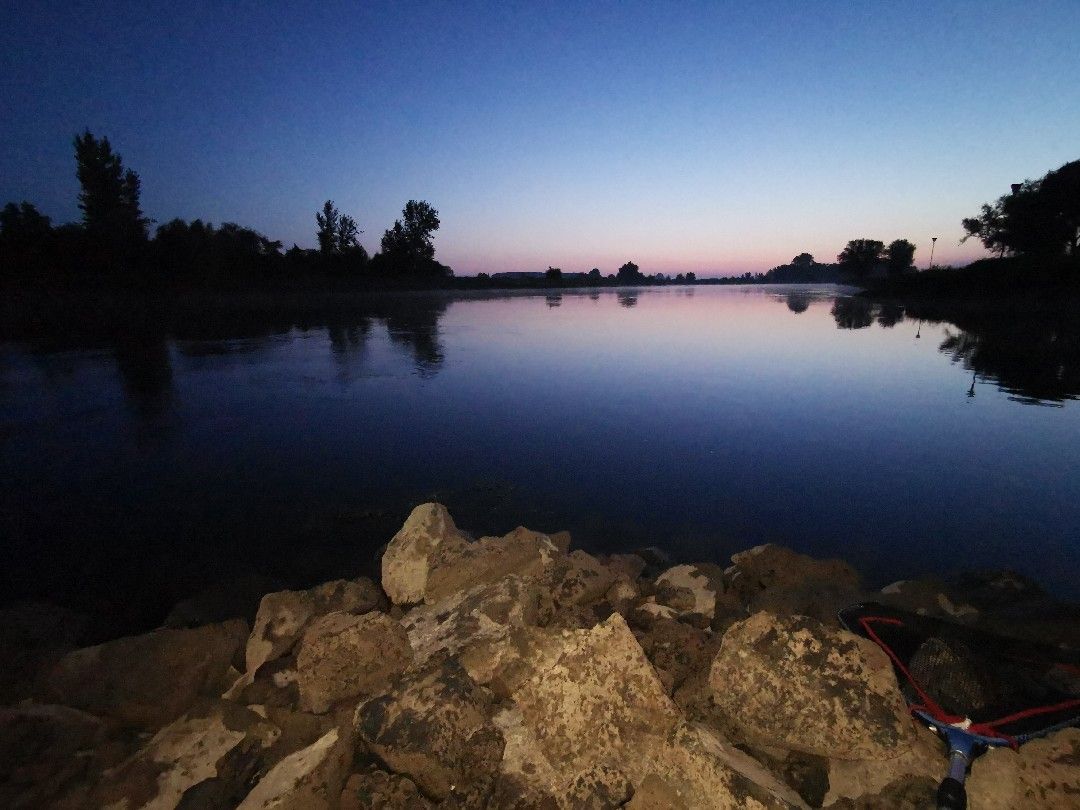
344 656
1042 773
185 753
147 680
855 779
785 583
435 727
601 704
522 552
791 682
308 779
284 615
578 579
428 536
476 618
702 582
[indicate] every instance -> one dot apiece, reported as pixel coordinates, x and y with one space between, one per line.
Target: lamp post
933 244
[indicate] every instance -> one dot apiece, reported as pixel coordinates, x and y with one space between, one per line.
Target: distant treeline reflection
1032 354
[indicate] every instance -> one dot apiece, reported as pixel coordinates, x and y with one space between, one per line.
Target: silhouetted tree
338 233
899 256
629 273
861 256
594 275
803 260
407 246
1039 217
553 274
691 277
109 199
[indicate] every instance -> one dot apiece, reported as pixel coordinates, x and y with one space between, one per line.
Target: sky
712 137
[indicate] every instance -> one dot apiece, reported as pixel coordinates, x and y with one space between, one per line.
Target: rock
647 612
429 534
561 541
630 566
283 616
579 579
379 790
229 599
309 779
435 727
796 684
147 680
600 703
785 583
50 756
1041 773
695 589
655 794
272 684
33 637
927 598
675 649
343 656
916 793
522 552
623 595
995 591
861 781
220 743
473 620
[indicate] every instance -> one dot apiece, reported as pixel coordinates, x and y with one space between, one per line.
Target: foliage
109 200
337 233
1039 217
900 256
803 269
629 273
861 256
553 274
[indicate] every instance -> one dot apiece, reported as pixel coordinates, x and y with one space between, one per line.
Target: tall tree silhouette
109 200
899 256
407 246
337 232
861 256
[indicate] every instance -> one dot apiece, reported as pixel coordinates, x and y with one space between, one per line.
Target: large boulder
308 779
579 578
284 615
435 727
928 597
343 656
793 683
466 624
428 536
219 746
147 680
600 704
783 582
522 552
1041 773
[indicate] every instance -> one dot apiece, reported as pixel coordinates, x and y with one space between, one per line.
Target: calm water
139 467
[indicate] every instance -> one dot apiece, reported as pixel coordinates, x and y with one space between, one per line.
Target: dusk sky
710 137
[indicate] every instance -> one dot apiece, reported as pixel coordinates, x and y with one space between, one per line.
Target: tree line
113 236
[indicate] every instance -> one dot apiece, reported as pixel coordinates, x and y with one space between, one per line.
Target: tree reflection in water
1031 353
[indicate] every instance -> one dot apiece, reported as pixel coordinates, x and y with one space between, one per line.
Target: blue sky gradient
710 137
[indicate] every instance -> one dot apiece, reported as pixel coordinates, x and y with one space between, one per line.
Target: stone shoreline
513 672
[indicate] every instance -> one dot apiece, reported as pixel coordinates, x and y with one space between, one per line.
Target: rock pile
511 672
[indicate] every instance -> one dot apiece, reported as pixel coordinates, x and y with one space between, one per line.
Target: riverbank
510 672
1015 280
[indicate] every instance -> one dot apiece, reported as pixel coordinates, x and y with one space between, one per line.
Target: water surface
143 463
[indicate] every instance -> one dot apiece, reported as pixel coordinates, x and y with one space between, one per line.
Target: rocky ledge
512 672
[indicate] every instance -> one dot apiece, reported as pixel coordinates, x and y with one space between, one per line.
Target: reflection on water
1032 354
146 454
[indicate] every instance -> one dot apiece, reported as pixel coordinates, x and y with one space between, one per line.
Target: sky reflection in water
702 420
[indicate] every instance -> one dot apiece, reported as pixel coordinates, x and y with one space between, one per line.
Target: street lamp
933 244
